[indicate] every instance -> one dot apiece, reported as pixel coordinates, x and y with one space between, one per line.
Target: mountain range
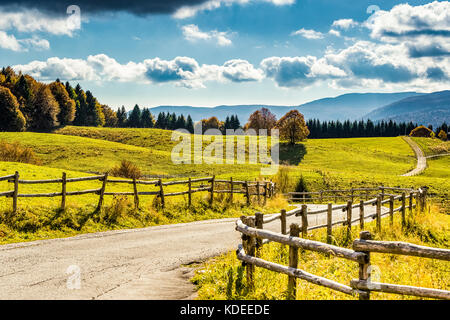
433 108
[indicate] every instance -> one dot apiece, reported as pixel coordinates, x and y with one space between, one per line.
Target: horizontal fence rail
261 189
254 237
346 194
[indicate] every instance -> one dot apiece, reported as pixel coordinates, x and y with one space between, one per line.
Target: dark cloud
413 33
436 74
138 7
434 50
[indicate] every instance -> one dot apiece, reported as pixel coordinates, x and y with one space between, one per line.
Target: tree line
368 128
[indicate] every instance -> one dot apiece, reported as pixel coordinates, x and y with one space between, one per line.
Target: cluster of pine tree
171 121
355 129
232 123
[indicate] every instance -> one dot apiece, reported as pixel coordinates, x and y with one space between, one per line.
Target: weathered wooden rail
254 237
345 194
261 189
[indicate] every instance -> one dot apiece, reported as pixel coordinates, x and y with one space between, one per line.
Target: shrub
119 208
15 152
283 180
442 135
126 169
301 185
422 131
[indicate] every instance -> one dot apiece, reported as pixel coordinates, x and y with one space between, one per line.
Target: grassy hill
324 163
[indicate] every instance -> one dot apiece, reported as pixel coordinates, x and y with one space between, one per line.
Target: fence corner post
364 270
293 263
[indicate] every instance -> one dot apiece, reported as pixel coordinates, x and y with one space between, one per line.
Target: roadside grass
224 277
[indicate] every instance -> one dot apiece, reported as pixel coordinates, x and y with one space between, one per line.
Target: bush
119 208
283 180
301 185
442 135
422 131
14 152
126 169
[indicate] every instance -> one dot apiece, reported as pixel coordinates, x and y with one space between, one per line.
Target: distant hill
433 108
348 106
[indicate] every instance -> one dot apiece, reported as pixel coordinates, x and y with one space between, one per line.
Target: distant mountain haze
433 108
348 106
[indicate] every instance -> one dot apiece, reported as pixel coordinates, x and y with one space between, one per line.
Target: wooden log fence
262 189
361 287
347 194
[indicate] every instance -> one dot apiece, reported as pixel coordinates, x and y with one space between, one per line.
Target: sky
224 52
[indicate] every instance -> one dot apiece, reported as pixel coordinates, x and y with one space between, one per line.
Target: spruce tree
134 121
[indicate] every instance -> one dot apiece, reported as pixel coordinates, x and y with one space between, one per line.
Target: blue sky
281 52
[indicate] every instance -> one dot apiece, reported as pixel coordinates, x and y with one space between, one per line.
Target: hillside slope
433 108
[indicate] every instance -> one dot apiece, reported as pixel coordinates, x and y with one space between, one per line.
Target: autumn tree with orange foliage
261 119
292 127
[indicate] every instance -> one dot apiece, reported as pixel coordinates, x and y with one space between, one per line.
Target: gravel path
148 263
421 160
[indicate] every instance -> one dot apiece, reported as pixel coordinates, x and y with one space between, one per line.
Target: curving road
146 263
421 160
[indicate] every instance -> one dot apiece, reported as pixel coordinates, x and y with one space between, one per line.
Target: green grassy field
80 151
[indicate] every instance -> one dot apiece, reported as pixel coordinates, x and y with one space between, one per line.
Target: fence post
16 191
266 189
424 199
190 192
382 193
293 263
304 220
102 191
231 189
283 221
258 192
136 196
410 203
364 267
251 252
361 214
247 193
259 222
378 213
161 193
391 209
321 196
330 223
403 209
352 194
63 191
418 201
349 219
211 199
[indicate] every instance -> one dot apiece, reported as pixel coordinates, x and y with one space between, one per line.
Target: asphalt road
148 263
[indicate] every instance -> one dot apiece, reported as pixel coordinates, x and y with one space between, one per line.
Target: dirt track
144 263
421 160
